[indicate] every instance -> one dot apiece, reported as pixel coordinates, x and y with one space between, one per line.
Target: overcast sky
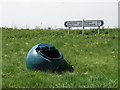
53 13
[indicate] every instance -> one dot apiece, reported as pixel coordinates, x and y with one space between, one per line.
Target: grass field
94 58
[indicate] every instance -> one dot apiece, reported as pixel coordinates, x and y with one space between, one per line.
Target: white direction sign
92 23
73 24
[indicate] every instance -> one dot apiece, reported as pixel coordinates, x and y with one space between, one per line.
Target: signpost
70 24
84 23
93 23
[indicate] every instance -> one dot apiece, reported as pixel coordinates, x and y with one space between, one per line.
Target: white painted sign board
73 24
92 23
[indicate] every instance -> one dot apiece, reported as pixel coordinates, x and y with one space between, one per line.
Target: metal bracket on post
68 30
98 29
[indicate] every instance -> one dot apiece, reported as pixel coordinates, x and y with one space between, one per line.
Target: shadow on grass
64 67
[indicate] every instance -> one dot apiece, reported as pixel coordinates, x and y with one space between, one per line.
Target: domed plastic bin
44 57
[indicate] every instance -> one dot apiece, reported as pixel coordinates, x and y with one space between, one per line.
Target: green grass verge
94 58
0 58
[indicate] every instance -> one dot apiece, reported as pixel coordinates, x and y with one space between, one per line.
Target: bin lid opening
48 51
51 53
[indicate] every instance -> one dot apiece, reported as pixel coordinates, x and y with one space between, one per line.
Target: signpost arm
68 30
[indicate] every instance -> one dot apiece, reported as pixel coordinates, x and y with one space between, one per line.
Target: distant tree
49 28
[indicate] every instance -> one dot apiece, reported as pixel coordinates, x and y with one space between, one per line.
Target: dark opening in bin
48 51
51 54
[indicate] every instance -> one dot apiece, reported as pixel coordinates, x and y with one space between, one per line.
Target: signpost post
98 29
83 27
68 30
70 24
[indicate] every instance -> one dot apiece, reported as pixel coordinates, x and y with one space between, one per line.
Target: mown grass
94 58
0 58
